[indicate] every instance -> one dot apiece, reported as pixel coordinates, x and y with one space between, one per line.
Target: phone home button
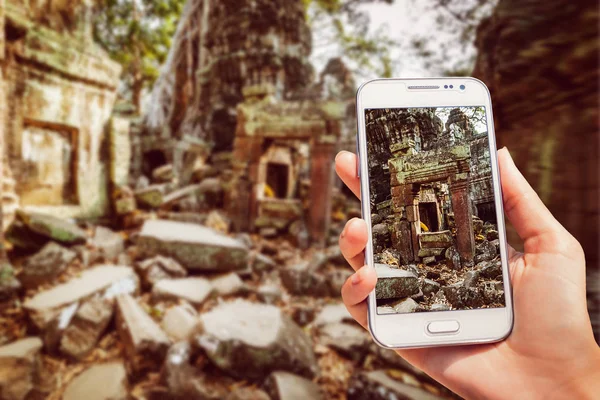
437 327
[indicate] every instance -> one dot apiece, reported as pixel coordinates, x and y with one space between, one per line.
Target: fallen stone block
86 327
460 296
99 382
282 385
179 195
145 343
332 314
53 228
441 239
185 380
485 251
300 279
471 278
490 269
158 268
19 368
405 306
227 284
248 341
51 311
195 290
109 243
432 252
429 287
269 293
194 246
261 262
350 341
164 173
150 197
45 265
394 283
379 385
179 321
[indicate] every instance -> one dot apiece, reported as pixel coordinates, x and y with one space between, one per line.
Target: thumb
532 220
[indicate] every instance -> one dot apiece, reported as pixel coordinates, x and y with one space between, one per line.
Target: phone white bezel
410 330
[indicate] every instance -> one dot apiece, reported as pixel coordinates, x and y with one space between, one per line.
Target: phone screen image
433 216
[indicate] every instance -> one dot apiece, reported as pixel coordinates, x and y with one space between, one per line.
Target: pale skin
551 352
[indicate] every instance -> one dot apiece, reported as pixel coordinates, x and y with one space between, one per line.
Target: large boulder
19 368
249 341
45 265
194 246
394 283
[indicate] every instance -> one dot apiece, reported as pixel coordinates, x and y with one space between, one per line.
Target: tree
342 26
137 33
449 50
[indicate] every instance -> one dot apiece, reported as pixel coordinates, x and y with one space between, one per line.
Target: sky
403 20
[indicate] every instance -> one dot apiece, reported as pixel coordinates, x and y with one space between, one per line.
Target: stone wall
60 91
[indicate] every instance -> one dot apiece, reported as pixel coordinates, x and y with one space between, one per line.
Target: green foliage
345 25
137 34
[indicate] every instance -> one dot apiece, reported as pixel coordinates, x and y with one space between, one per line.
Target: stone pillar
240 198
321 178
406 226
463 219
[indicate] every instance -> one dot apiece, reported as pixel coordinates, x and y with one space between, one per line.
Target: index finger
345 167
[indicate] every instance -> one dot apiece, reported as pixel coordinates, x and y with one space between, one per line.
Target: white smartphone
432 200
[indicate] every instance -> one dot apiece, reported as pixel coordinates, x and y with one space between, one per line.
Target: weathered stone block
441 239
19 368
45 265
248 340
99 381
194 246
394 283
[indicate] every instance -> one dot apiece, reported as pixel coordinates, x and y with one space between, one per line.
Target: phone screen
434 225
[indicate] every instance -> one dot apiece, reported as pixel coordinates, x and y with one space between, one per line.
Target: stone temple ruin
59 90
190 253
432 194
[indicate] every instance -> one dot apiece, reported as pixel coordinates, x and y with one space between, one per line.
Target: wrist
583 382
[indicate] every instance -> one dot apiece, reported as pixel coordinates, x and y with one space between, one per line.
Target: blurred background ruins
169 209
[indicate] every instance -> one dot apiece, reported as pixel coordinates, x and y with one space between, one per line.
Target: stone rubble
194 246
281 385
194 290
45 265
99 382
248 340
19 368
145 342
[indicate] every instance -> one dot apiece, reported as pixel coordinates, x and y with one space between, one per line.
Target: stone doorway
49 167
428 213
278 179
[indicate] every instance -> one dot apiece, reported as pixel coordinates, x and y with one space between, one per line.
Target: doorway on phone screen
435 242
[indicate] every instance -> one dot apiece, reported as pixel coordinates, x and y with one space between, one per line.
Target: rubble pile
180 310
439 283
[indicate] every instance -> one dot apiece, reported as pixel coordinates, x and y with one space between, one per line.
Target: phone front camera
462 87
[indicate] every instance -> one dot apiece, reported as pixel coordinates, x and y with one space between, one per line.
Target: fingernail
339 154
358 276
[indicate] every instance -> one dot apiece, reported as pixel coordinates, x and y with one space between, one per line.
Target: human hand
551 352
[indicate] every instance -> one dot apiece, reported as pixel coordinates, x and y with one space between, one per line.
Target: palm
536 278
